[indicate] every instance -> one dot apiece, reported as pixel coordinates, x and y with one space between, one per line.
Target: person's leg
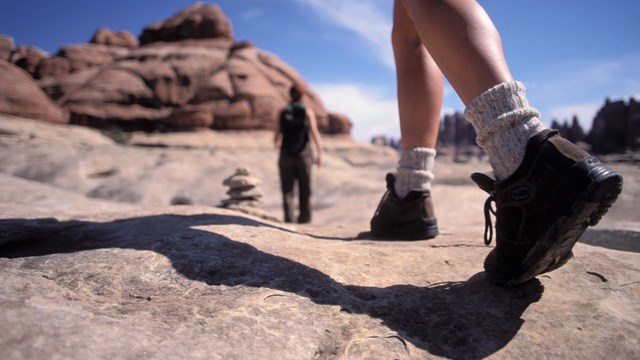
420 90
287 179
304 187
547 190
419 83
467 47
464 43
406 209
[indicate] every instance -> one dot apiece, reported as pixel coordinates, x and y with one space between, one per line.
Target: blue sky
570 54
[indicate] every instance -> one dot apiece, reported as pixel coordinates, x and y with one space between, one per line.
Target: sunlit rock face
186 73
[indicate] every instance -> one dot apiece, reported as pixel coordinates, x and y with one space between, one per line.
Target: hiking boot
409 218
544 207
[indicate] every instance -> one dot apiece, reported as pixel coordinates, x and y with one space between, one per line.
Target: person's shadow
468 319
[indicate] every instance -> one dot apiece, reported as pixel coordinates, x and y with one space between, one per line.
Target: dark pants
296 168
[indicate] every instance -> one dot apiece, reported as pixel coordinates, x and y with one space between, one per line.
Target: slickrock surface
95 263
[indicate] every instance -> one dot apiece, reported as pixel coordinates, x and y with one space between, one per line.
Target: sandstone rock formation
106 45
616 127
187 74
458 138
199 21
28 58
104 36
75 58
573 132
6 46
338 124
456 130
21 96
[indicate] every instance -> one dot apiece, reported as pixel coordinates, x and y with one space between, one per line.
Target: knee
404 44
404 36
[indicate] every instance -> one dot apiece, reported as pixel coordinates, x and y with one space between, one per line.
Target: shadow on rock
460 320
623 240
469 319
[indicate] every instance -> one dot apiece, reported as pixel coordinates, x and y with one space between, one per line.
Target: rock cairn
243 191
245 194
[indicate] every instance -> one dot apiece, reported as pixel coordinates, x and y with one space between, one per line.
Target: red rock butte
183 73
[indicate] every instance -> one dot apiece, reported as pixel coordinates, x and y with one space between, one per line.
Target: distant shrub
181 200
116 134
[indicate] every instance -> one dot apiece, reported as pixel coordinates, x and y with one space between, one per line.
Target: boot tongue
484 181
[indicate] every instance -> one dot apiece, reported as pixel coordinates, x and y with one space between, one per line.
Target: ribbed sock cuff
504 122
415 170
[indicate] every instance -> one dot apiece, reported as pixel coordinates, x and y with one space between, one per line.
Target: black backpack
294 126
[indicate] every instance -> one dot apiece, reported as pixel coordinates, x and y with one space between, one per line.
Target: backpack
294 127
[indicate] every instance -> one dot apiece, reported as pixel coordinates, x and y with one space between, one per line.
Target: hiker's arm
315 134
276 136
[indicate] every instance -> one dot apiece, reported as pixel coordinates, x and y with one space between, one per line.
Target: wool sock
504 122
415 170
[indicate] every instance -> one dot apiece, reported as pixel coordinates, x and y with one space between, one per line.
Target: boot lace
488 226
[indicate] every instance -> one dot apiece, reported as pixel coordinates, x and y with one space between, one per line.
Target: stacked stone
243 189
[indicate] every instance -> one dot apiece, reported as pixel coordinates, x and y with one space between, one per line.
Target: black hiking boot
409 218
544 207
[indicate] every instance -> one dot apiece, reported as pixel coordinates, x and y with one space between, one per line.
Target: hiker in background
295 124
544 190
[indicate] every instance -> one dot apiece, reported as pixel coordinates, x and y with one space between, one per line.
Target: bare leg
465 44
463 41
420 85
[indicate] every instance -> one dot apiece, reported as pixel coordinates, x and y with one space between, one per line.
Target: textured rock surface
149 174
141 279
21 96
199 21
187 74
104 36
28 58
616 127
7 43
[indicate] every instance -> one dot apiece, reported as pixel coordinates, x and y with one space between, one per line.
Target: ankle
415 170
504 122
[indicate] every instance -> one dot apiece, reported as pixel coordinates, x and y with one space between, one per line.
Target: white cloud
252 13
371 112
584 76
579 87
370 20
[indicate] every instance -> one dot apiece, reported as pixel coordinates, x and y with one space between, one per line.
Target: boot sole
408 232
555 247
